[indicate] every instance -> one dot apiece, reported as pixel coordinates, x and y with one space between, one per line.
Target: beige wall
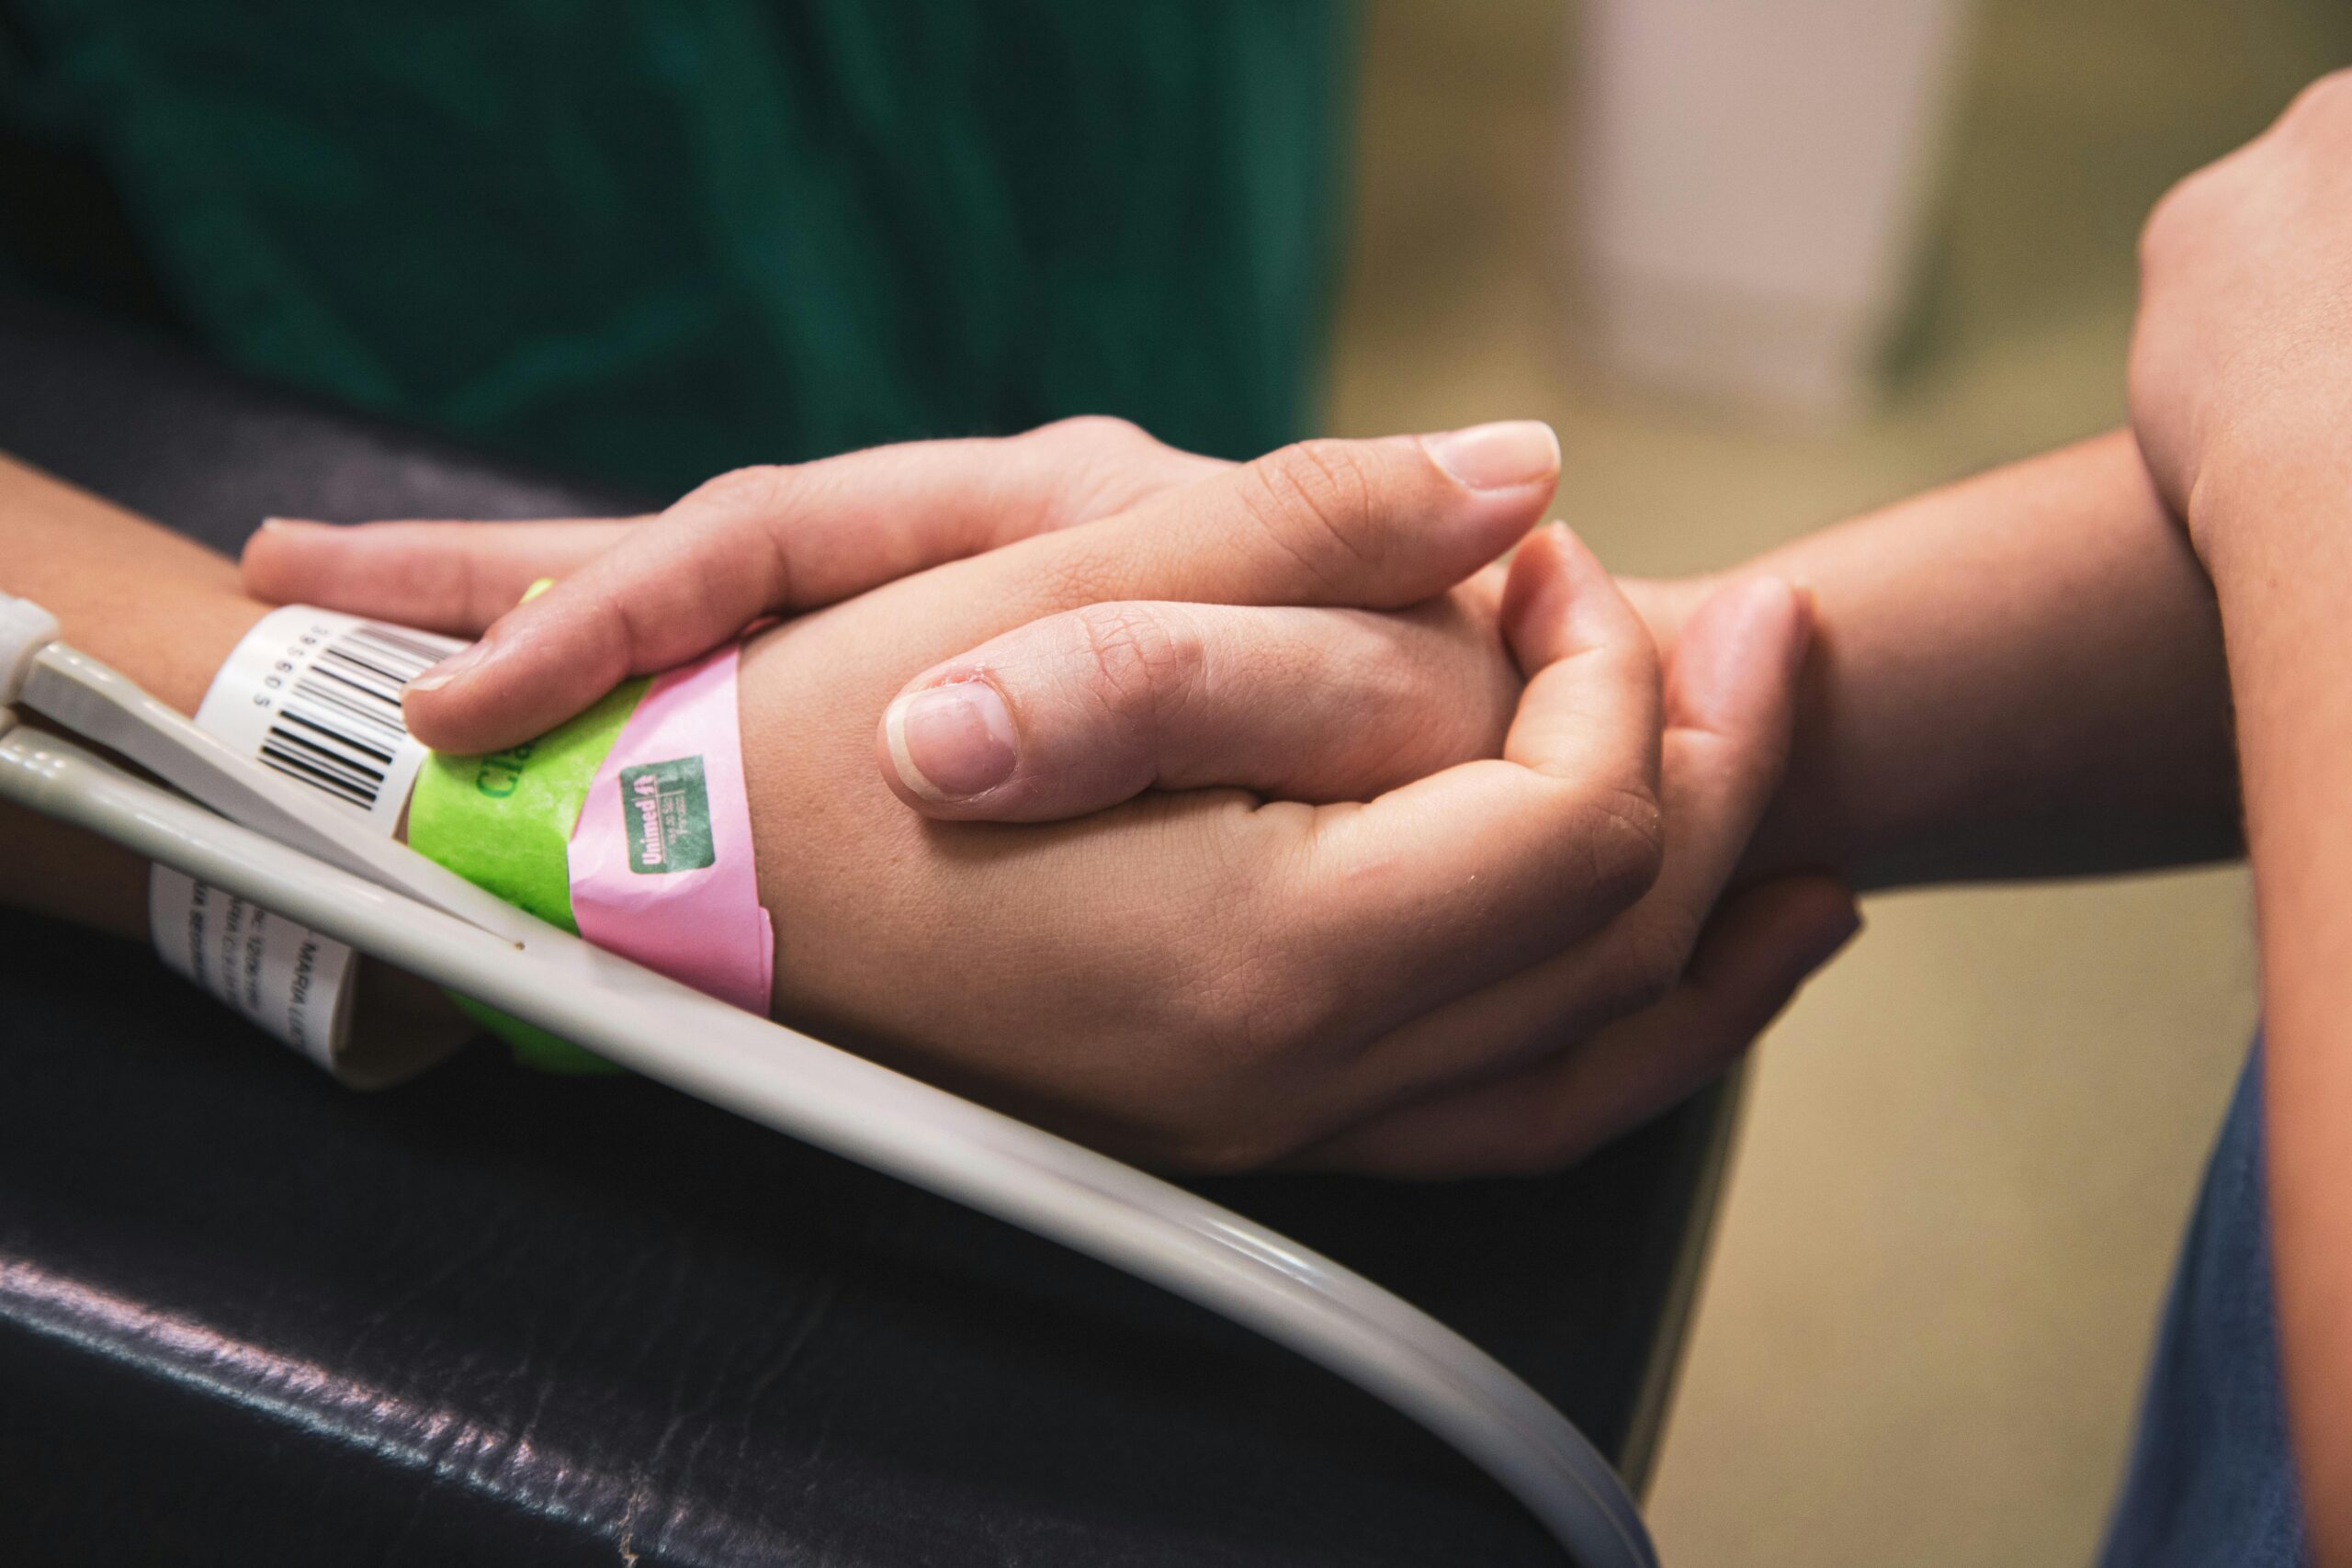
1971 1147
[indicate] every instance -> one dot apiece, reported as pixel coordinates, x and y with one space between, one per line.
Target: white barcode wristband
316 696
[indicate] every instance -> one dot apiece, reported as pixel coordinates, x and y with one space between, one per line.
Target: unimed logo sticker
667 816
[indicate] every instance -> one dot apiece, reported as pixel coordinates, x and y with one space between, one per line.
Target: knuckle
1104 463
627 624
1093 431
1317 500
1623 836
2327 98
741 519
484 598
757 489
1137 660
2171 220
1644 982
1658 947
448 573
439 559
2229 191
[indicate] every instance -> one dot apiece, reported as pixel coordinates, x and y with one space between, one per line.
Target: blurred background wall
1969 1150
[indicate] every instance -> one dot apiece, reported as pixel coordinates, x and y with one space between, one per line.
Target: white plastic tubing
814 1092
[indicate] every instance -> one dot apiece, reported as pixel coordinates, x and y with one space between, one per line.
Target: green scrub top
650 240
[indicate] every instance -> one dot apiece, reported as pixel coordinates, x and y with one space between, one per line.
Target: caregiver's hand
641 594
1395 695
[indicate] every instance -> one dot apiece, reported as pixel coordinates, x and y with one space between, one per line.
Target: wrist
2269 491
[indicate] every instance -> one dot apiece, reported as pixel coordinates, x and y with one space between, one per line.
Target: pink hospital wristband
661 858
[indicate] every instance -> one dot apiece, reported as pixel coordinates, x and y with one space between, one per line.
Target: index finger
439 577
764 541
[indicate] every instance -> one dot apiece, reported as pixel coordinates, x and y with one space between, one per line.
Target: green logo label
667 816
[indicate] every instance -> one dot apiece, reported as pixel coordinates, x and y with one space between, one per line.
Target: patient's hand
1202 978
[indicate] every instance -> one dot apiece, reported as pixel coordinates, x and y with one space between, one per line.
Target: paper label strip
314 695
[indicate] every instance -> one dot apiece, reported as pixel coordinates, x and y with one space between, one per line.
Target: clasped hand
1338 844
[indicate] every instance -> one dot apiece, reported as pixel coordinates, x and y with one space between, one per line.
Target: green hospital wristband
504 822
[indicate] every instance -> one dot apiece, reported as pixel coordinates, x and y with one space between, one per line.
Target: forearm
167 613
2282 556
163 610
2017 675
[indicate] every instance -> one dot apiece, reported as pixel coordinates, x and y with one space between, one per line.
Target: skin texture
2240 391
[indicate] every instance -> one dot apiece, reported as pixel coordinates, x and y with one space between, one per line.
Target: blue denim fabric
2210 1481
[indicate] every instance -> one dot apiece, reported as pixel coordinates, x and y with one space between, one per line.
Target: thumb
1363 525
1731 703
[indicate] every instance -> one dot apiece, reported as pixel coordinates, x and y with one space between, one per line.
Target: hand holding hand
1207 978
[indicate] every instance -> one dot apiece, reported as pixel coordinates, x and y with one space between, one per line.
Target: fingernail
449 669
1498 457
950 742
271 524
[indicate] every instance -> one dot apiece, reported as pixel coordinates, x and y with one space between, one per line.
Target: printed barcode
337 722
